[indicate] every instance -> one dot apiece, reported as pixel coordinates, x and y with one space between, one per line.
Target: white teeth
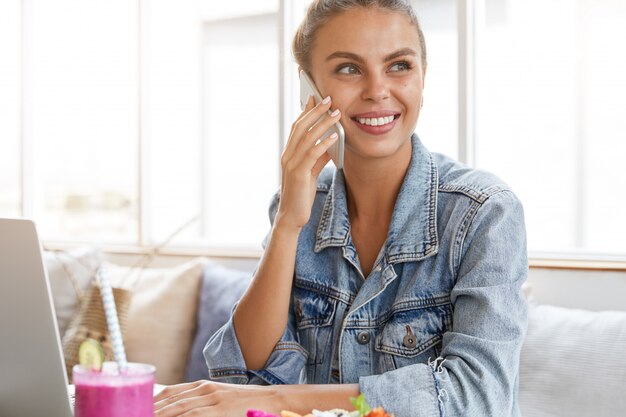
375 121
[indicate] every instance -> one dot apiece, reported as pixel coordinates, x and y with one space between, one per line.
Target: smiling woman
371 81
350 61
397 276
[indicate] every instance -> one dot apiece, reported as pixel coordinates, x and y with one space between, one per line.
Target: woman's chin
375 148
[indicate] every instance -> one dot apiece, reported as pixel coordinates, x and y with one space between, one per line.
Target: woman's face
369 62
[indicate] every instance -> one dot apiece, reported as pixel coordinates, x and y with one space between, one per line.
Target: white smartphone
307 89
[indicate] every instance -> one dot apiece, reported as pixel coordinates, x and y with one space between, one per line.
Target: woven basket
90 322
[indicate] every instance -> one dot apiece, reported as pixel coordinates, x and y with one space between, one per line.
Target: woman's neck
373 185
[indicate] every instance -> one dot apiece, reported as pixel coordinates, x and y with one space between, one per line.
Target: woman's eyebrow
399 53
347 55
357 58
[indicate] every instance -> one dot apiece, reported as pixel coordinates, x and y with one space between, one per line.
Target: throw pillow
221 289
162 315
70 272
573 363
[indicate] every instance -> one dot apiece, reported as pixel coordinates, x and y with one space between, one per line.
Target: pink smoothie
109 394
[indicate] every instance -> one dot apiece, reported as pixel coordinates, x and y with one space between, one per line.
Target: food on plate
362 410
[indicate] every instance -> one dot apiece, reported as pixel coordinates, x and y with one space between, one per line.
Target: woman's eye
347 69
400 66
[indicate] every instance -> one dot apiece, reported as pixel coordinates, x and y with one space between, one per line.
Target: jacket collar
412 233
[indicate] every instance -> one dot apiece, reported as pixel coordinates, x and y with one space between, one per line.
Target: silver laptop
33 381
32 370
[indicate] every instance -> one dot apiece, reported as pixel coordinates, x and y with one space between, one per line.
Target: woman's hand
208 399
302 161
212 399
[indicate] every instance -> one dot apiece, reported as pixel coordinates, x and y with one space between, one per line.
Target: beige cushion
162 315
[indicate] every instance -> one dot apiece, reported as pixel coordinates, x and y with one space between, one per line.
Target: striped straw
112 320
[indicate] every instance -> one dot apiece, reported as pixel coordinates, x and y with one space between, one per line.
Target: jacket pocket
413 332
314 313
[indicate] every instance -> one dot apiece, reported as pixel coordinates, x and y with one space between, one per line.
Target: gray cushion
69 272
573 363
221 289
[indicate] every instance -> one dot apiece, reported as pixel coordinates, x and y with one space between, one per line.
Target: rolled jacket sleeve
477 373
226 363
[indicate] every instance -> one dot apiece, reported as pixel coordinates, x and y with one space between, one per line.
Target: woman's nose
375 88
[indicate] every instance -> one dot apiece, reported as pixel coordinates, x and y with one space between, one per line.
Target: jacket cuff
224 358
411 391
225 361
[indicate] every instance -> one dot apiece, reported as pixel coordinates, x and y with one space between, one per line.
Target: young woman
398 277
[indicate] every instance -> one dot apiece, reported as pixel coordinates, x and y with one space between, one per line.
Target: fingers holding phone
318 134
304 157
312 113
307 89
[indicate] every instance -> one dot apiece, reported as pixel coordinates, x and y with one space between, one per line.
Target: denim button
409 341
363 338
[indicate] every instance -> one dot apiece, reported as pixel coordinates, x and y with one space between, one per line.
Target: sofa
573 362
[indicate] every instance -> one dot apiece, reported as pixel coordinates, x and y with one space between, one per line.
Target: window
81 118
10 115
551 100
140 117
211 91
124 120
438 123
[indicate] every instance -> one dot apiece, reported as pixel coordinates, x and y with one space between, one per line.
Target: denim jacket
437 327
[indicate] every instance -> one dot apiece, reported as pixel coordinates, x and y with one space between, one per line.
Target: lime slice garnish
91 355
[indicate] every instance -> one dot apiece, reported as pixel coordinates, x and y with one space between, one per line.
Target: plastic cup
109 393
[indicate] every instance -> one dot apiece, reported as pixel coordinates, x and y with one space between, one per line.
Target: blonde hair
320 11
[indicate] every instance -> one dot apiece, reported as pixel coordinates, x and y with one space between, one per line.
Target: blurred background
121 121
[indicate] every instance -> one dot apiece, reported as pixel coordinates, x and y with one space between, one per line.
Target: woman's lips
376 123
